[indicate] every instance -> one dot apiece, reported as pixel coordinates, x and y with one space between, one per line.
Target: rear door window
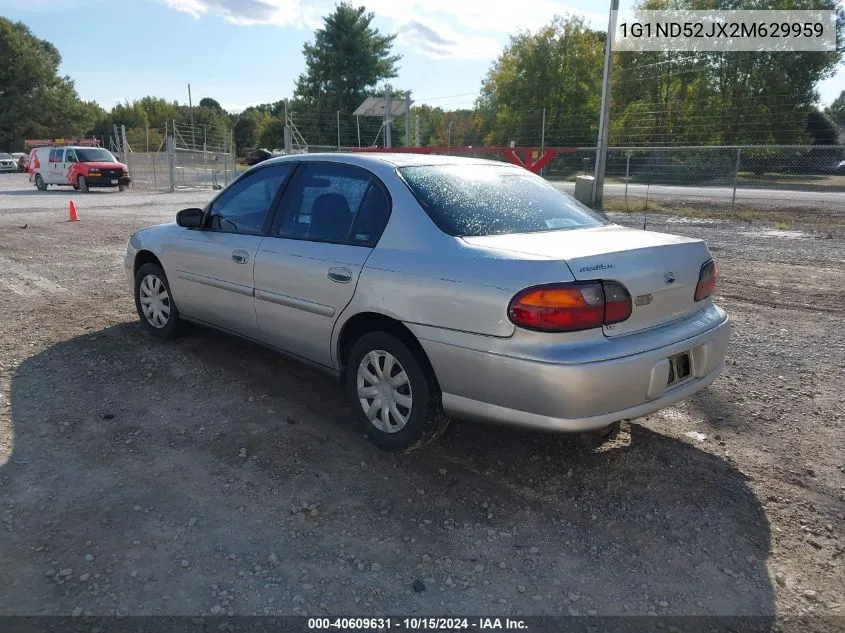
56 155
332 202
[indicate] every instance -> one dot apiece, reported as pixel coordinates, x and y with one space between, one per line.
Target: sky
245 52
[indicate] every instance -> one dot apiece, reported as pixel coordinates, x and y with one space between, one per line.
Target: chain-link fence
204 156
187 156
761 178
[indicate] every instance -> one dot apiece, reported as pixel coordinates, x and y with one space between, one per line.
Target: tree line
544 88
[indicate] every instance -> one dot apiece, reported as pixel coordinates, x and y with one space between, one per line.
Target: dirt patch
209 476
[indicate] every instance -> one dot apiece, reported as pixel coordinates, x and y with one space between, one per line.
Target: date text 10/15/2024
416 624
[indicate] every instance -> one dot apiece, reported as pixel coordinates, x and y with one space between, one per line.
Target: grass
829 182
746 215
782 219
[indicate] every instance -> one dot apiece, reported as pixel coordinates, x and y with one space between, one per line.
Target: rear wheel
394 397
39 183
83 184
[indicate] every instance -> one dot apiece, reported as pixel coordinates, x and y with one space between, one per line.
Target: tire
83 184
164 322
121 187
421 420
39 183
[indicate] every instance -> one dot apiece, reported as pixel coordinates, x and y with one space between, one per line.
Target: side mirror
190 218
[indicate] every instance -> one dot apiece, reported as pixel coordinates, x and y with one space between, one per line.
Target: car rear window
473 200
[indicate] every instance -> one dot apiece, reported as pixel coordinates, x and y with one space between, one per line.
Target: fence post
358 126
388 121
338 130
408 142
171 162
627 175
543 130
736 175
417 125
288 143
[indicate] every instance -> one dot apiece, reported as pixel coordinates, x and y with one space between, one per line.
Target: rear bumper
572 397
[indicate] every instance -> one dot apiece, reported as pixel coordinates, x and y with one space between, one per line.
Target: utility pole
604 117
338 130
191 113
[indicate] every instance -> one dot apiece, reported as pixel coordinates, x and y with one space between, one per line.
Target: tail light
570 307
706 280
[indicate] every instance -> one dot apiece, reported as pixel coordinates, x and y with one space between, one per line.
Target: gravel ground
211 476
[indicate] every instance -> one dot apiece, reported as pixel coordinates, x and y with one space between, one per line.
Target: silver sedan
437 287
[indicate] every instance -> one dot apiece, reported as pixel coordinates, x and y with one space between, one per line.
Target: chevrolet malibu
437 287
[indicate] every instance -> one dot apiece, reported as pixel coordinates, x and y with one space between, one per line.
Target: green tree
821 129
558 68
347 60
34 100
723 97
213 104
249 127
836 110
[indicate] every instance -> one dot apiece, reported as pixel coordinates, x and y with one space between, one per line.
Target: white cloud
485 16
246 12
438 41
462 29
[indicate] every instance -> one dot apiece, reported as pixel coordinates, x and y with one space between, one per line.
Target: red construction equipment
58 142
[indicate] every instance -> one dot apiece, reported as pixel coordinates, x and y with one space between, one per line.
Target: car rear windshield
94 155
472 200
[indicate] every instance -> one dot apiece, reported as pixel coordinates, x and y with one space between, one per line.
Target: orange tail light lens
570 307
706 280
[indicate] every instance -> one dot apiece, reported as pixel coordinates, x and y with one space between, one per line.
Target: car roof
394 159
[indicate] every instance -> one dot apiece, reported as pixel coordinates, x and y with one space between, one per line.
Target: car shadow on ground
214 427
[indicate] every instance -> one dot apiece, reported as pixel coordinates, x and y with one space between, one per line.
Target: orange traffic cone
72 217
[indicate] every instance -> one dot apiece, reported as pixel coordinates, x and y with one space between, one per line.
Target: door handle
340 275
240 257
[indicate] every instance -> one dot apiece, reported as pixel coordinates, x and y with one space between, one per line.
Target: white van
76 166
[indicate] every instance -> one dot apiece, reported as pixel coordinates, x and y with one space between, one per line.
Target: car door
54 170
69 167
212 277
306 271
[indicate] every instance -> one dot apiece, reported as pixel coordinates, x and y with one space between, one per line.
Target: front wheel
83 184
154 302
39 183
394 396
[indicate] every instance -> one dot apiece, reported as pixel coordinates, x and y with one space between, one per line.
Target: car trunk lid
659 270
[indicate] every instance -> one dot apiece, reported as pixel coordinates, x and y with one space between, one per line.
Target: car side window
244 206
56 155
331 202
70 156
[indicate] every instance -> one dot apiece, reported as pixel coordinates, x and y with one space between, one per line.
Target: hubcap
155 302
384 391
